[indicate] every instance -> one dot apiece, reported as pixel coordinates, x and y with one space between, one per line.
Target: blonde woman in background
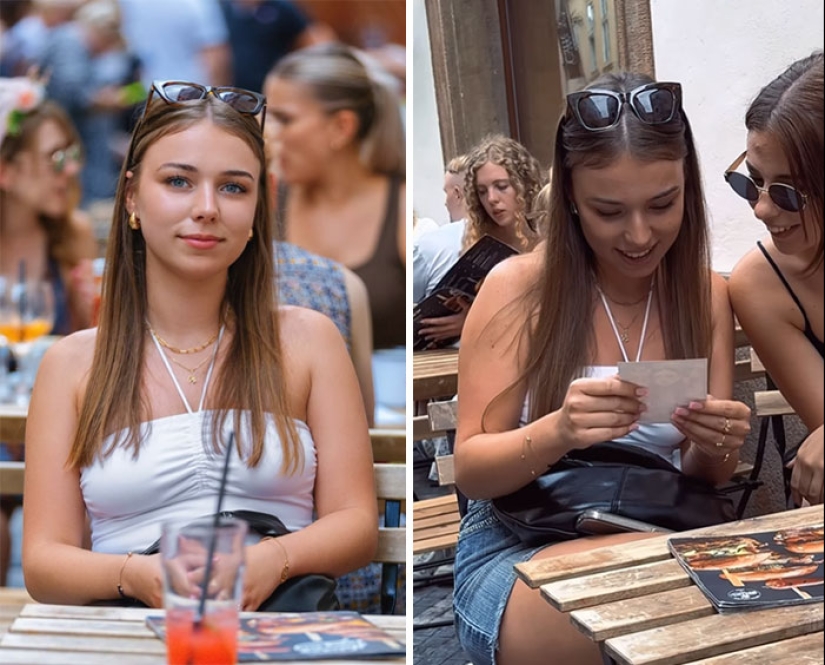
341 164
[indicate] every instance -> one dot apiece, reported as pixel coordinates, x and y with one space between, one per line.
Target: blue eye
234 188
176 181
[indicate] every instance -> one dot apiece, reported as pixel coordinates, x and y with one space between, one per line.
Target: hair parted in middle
526 177
113 404
559 330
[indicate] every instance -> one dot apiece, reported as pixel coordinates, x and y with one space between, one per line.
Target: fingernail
681 411
696 406
634 427
641 392
642 407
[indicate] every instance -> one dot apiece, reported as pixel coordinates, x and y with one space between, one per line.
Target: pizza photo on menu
756 570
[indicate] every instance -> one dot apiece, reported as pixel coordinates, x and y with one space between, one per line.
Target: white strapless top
177 476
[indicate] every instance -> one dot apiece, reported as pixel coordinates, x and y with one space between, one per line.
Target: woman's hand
446 327
807 475
264 563
142 578
717 427
597 410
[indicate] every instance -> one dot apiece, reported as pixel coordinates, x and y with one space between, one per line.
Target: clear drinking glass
27 313
185 549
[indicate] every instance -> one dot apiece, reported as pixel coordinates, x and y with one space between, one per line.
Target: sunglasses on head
176 92
784 196
652 103
60 159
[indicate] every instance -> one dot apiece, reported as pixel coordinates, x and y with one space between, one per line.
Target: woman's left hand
264 563
717 426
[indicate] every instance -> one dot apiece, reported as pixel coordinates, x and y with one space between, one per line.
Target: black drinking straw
215 522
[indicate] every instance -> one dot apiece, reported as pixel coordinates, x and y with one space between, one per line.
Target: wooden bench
391 488
12 600
389 445
11 478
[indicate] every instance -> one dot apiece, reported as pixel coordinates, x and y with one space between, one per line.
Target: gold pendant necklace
191 370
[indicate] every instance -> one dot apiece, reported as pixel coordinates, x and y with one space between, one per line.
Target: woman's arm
56 567
345 533
774 326
361 338
718 419
493 455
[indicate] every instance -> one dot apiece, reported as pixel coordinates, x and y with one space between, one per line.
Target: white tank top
177 475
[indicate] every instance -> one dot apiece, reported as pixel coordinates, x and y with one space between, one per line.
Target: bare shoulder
70 358
303 329
515 275
751 274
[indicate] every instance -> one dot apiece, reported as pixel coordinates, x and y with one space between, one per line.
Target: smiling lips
199 241
637 255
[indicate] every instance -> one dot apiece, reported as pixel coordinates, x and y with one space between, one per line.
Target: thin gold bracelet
120 576
285 569
718 461
527 446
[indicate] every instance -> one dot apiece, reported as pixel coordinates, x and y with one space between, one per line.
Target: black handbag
312 592
614 478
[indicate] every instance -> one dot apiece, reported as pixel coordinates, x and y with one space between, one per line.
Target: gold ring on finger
726 428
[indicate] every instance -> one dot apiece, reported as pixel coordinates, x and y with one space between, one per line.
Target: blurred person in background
40 161
180 40
261 32
340 159
501 181
17 19
436 253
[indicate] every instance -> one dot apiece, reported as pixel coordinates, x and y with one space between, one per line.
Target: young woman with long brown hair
129 422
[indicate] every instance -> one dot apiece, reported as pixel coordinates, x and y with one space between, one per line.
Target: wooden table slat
542 571
715 635
629 616
802 650
43 657
601 588
79 642
98 628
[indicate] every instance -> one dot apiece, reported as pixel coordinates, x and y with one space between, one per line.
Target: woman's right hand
597 410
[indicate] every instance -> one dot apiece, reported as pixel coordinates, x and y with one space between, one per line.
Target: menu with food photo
306 636
755 570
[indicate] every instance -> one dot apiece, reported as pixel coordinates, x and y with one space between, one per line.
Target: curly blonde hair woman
500 183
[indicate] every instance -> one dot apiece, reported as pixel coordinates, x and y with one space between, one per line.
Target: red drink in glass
214 642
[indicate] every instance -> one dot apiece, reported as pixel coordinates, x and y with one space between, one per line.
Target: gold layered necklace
191 370
174 349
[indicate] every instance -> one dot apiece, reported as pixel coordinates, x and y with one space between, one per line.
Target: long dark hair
559 328
252 375
791 108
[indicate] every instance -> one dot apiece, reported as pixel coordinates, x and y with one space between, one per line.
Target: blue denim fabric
484 578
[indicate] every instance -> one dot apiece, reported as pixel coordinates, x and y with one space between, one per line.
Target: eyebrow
191 169
756 171
661 195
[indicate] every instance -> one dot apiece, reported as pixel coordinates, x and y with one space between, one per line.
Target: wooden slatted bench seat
435 524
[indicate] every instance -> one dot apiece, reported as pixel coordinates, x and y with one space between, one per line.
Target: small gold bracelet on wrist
719 461
120 576
285 569
527 447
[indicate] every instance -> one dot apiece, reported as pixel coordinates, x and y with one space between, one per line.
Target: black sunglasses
785 196
653 104
175 92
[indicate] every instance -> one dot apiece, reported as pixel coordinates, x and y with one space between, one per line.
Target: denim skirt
484 578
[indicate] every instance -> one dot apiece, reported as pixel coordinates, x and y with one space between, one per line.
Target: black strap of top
809 331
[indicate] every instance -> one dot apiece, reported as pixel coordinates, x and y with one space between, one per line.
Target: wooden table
640 606
13 423
435 374
57 635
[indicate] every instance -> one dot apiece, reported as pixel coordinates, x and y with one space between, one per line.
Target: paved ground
433 601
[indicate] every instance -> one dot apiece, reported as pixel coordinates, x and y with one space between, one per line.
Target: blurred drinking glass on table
185 556
26 315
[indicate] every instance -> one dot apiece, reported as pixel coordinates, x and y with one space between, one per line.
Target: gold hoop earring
134 222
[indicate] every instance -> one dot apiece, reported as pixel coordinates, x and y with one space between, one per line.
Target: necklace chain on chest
174 349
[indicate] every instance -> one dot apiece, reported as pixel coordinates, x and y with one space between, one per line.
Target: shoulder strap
784 282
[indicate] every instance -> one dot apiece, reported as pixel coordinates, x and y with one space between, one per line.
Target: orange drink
214 642
25 332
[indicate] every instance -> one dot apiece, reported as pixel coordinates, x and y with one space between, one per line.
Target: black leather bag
312 592
614 478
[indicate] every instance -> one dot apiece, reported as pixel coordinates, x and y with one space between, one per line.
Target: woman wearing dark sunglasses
128 422
777 289
624 274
